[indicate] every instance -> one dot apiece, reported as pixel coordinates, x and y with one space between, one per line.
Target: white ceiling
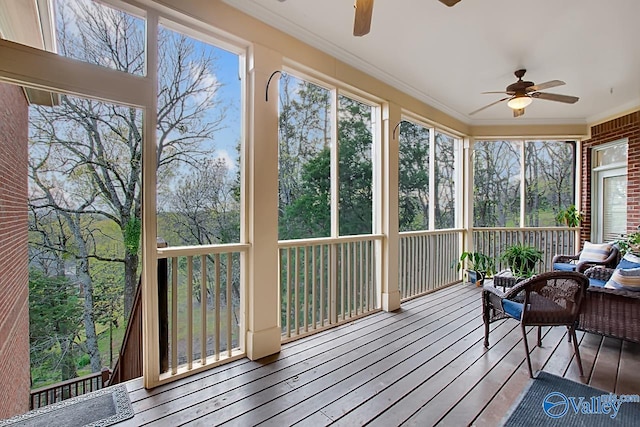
447 56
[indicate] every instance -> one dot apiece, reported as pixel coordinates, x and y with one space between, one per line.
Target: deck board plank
423 364
629 369
491 385
252 386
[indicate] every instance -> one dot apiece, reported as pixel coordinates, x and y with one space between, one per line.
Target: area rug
97 409
550 400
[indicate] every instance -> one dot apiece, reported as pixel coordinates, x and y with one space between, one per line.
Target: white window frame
598 173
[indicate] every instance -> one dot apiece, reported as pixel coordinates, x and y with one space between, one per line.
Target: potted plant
570 216
477 265
630 243
521 259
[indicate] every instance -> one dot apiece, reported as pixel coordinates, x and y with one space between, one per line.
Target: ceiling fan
521 94
364 11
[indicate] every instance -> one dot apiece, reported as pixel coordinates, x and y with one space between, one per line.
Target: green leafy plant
521 259
630 243
570 216
476 261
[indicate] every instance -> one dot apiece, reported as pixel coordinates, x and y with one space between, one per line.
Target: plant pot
476 277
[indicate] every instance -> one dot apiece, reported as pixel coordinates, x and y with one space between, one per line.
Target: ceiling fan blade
545 85
489 105
362 20
449 2
555 97
519 112
499 91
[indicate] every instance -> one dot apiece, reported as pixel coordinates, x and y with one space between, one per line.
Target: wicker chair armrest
613 258
513 291
493 290
565 258
583 266
599 273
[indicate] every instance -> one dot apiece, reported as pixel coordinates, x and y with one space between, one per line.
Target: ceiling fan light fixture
519 101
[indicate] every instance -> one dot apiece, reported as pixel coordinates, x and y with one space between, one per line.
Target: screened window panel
413 180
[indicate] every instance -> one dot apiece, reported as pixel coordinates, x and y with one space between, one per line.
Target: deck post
387 220
263 334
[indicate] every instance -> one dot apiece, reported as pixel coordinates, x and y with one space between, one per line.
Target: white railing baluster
190 312
229 303
183 333
288 285
305 274
203 309
174 315
322 293
296 286
335 277
314 268
216 288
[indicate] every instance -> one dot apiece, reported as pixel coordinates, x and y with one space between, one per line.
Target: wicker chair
548 299
610 312
570 261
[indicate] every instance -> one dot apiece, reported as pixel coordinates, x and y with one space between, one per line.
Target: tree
413 177
54 322
355 167
204 209
496 179
444 177
304 136
86 155
308 214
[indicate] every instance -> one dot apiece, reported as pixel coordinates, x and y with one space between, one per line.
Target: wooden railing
326 281
67 389
202 305
550 240
427 261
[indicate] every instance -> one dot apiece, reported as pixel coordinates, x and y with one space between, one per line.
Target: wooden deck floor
422 365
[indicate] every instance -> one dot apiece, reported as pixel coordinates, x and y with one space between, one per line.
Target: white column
150 326
467 193
389 209
261 173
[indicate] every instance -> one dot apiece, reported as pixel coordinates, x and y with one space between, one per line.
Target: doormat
100 408
550 400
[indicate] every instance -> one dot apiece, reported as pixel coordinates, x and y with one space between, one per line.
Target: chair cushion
595 251
628 279
565 266
629 261
512 308
597 283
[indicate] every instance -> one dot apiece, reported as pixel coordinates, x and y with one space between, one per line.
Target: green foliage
570 216
55 312
413 179
84 360
630 244
521 259
132 231
305 166
476 261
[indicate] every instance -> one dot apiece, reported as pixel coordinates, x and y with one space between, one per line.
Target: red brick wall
622 127
14 285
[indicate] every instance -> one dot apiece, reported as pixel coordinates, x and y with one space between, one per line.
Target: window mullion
523 185
335 183
432 179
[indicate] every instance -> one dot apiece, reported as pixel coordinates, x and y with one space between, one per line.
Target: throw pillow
625 279
595 252
629 261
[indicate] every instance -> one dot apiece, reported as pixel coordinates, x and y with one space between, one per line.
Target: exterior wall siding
627 126
14 276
